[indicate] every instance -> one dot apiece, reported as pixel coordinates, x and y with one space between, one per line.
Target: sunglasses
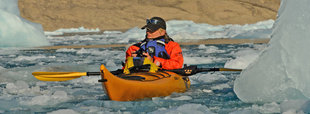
151 21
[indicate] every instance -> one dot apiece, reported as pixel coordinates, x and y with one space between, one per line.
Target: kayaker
158 46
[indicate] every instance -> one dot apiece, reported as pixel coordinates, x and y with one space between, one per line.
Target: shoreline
197 42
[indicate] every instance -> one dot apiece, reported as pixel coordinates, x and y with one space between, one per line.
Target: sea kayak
136 86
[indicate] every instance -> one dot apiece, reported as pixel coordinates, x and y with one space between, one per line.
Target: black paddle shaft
186 71
93 73
191 70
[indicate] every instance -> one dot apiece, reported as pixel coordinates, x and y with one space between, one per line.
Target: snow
16 31
282 71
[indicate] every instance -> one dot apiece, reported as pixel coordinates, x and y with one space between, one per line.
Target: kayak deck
142 85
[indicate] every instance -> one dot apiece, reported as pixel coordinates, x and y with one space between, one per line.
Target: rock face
125 14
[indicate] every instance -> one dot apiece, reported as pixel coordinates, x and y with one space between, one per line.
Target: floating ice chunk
92 80
39 100
60 95
80 29
292 105
208 78
267 108
66 50
207 90
220 87
112 32
1 68
41 83
46 99
32 58
83 51
185 109
243 59
48 33
200 60
295 106
16 31
20 87
64 111
210 49
182 98
282 71
245 111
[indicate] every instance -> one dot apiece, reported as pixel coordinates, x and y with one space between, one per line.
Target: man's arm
176 58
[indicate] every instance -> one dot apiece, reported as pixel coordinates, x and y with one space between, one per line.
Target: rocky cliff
124 14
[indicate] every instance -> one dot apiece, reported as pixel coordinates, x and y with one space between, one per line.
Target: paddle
61 76
64 76
193 69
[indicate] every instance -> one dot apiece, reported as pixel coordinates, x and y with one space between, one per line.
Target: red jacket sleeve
130 50
176 57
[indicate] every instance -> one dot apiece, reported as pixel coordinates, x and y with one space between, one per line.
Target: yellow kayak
142 85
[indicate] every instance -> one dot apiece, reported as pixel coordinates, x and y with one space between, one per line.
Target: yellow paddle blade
51 73
58 76
229 69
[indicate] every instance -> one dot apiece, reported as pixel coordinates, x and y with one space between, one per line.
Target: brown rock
125 14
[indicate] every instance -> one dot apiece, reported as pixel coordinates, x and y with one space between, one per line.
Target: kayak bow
142 85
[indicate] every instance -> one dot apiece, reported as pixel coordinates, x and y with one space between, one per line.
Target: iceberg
16 31
281 72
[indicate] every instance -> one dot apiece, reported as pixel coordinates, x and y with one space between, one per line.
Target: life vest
155 47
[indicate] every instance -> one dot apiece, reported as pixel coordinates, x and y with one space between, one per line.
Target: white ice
71 30
282 71
16 31
243 58
182 30
64 111
185 109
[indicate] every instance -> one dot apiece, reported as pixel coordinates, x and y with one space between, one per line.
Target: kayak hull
142 85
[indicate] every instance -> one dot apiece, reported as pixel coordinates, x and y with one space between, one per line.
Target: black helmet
155 23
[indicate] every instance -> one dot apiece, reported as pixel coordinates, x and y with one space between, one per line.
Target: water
210 92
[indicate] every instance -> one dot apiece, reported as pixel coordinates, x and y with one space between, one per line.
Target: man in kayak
157 46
